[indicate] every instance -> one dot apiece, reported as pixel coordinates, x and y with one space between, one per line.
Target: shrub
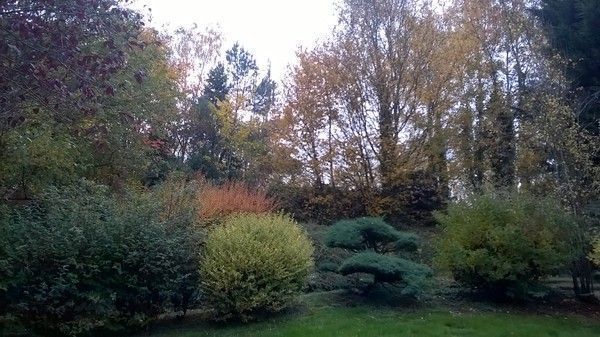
254 264
369 234
177 198
595 254
324 204
218 202
376 244
327 266
412 198
504 243
77 261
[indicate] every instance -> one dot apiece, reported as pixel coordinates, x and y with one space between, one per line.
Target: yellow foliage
254 263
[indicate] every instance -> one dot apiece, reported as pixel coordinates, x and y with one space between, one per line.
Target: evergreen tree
217 88
573 27
264 96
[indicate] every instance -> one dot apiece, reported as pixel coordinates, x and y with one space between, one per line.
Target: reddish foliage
217 202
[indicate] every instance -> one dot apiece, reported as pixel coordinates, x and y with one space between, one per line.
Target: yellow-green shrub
254 264
504 244
595 255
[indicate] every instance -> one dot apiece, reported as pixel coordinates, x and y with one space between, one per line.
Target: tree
573 30
264 97
86 92
373 241
242 70
216 88
193 51
59 57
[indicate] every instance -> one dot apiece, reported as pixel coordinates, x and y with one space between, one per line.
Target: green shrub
369 233
504 243
324 205
327 266
78 260
254 264
410 276
595 254
376 244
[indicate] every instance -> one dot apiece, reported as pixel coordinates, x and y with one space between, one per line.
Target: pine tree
217 88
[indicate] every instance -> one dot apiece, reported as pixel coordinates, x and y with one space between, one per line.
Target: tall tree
242 71
193 52
264 96
574 30
217 86
61 63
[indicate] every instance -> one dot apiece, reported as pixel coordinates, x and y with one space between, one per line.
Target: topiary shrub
78 260
376 244
254 264
503 244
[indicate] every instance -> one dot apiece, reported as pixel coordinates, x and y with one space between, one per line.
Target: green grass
367 322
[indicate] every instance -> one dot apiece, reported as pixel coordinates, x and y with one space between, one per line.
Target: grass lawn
365 322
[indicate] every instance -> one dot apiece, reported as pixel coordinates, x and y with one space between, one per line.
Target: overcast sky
271 29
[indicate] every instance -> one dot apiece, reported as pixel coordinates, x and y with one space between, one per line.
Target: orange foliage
218 202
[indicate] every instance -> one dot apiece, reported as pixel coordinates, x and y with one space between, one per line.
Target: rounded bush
79 260
504 243
254 264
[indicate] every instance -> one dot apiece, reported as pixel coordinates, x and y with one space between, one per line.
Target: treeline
89 91
405 105
449 101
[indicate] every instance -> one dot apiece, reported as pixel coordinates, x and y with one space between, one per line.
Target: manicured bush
218 202
504 243
369 234
78 260
377 244
254 264
410 276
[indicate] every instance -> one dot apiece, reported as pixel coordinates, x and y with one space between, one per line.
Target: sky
272 30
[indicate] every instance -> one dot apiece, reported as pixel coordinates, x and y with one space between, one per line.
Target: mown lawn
367 322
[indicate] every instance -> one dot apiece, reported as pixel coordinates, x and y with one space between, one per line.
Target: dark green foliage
387 268
327 266
207 144
324 205
372 238
505 243
413 199
369 233
78 260
241 63
264 96
574 30
216 88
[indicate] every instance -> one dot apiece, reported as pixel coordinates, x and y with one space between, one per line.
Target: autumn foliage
218 202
